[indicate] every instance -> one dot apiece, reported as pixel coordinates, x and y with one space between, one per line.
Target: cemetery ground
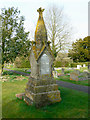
65 77
74 104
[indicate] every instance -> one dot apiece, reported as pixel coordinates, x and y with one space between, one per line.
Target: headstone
85 74
77 71
74 75
55 74
41 88
88 67
62 70
78 66
84 65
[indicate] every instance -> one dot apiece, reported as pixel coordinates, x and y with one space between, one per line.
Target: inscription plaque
45 64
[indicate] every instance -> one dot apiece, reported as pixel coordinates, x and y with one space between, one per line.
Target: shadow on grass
73 105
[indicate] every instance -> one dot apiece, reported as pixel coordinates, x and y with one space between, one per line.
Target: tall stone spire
41 88
40 32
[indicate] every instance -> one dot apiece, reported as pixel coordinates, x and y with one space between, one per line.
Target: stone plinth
41 92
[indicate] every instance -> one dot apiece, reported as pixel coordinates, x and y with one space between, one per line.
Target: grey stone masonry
41 88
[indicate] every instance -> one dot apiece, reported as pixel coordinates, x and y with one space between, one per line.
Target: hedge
67 64
22 62
61 64
79 63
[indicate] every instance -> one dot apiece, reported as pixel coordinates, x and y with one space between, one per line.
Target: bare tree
58 29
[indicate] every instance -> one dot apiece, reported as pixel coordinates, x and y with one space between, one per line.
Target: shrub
79 63
68 64
61 64
57 64
22 62
65 62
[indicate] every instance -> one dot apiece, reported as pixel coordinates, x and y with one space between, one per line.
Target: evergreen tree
15 40
79 51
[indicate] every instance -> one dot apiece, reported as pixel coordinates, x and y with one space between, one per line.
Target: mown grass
66 78
74 104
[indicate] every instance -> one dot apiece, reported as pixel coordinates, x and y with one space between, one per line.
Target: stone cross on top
40 10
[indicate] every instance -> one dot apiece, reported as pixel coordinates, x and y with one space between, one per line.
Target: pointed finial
40 10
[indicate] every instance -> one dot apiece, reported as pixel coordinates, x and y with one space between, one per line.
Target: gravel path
60 83
18 72
73 86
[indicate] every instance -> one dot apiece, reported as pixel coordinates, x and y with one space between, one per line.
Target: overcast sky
75 10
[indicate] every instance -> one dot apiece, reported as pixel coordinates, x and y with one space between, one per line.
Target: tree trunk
2 68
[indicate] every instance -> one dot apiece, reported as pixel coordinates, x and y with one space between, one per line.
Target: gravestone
62 70
84 65
41 88
74 75
88 66
85 74
78 66
55 74
77 71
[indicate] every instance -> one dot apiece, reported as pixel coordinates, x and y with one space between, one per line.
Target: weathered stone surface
55 74
41 88
42 81
45 64
43 98
85 74
74 76
62 70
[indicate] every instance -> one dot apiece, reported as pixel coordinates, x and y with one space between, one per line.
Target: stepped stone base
41 92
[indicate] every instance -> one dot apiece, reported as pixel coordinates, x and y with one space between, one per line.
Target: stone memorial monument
41 88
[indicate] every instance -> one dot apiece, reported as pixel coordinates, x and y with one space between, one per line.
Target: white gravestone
78 66
55 74
45 64
84 65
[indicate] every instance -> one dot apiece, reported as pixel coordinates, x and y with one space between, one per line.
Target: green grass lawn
74 104
67 79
